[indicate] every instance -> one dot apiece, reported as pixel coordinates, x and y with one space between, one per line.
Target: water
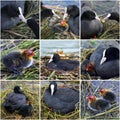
49 47
62 3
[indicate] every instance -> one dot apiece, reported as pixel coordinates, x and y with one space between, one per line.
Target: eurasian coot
90 23
105 61
14 100
16 61
112 16
10 12
26 110
108 95
66 65
61 100
73 21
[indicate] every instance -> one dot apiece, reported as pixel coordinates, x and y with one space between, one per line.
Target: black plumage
34 27
14 100
66 65
73 21
26 110
90 23
16 61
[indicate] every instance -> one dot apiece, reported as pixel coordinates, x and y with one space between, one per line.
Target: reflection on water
49 47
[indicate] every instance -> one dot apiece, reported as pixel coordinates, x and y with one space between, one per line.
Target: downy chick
16 61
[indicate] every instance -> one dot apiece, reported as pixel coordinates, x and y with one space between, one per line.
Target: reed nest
22 31
88 88
16 45
47 113
51 74
31 90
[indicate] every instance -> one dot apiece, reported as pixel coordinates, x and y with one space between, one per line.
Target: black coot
61 100
90 23
112 16
105 61
26 110
66 65
73 21
14 100
9 13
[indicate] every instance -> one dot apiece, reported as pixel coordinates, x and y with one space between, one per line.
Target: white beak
52 89
51 59
55 14
107 17
103 57
21 16
65 13
102 60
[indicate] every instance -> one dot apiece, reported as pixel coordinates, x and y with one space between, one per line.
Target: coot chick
90 23
66 65
61 100
73 21
97 104
14 100
16 61
26 110
108 95
112 16
10 13
105 61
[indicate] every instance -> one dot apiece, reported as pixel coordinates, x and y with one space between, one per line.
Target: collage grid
36 79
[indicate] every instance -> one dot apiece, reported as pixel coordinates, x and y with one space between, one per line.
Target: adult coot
105 61
61 100
26 110
14 100
112 16
73 21
90 23
66 65
16 61
10 12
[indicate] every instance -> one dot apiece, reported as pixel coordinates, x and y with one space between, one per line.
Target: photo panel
60 60
100 99
100 19
20 59
100 59
60 101
60 19
19 100
19 19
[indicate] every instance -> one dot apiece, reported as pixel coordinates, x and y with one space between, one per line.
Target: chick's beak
63 23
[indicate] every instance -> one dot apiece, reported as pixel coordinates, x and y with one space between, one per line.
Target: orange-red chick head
90 67
63 23
91 98
103 91
29 53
